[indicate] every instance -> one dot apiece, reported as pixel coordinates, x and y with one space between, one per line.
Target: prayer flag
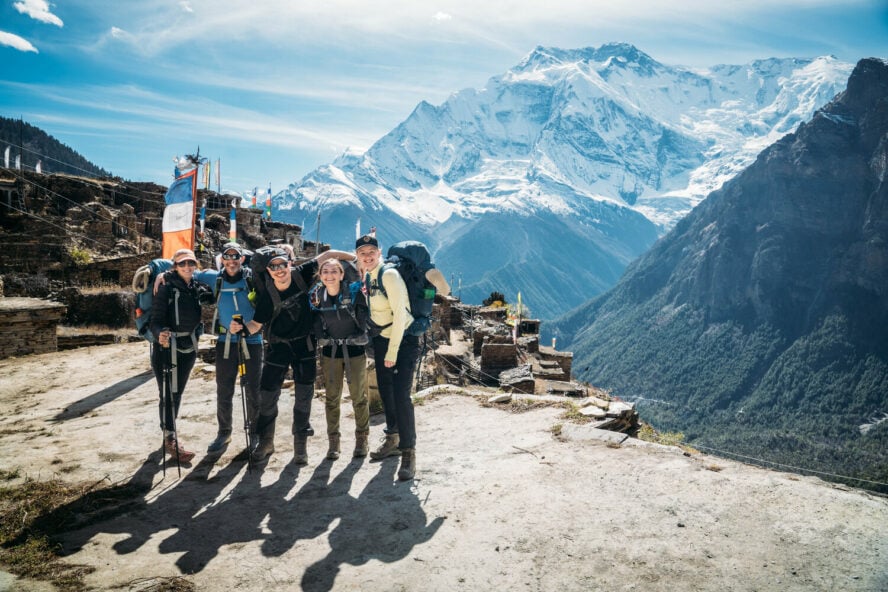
178 215
6 158
358 229
255 190
232 231
268 202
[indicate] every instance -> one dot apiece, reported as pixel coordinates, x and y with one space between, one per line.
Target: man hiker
282 307
233 291
395 354
176 325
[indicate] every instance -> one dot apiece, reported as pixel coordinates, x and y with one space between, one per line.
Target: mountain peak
609 55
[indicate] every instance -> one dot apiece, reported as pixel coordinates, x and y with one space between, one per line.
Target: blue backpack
412 260
143 286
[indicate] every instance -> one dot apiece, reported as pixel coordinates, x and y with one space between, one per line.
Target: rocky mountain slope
584 154
757 325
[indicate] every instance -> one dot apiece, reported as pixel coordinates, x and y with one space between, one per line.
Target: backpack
143 286
412 260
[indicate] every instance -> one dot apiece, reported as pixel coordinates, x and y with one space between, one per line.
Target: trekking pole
242 374
163 397
168 401
417 382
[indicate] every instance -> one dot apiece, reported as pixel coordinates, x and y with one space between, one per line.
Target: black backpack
412 260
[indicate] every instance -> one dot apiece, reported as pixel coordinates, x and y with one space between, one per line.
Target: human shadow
235 518
309 513
137 508
384 522
99 398
100 509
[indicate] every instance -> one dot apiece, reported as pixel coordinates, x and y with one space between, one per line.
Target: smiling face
368 255
279 268
331 274
185 263
232 266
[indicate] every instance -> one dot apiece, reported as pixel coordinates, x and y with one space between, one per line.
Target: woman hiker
340 312
176 325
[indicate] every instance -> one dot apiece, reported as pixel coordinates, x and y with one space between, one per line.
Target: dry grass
69 331
647 433
34 513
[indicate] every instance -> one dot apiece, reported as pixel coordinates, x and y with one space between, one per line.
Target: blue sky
275 88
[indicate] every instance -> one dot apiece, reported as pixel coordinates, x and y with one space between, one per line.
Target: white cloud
442 16
186 6
16 42
39 11
119 33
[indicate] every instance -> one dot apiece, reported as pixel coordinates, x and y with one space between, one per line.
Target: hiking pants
334 371
298 354
226 383
395 385
184 363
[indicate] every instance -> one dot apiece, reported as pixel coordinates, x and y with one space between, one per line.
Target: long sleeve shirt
390 310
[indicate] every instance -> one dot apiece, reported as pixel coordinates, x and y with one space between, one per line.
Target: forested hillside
36 145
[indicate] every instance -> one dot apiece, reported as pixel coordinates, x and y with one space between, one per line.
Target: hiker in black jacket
176 324
282 307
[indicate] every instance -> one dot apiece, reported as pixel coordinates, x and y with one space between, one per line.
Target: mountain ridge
562 130
757 322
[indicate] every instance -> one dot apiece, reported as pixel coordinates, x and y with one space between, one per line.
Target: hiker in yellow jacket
395 354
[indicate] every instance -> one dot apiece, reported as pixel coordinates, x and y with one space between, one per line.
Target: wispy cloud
39 11
16 42
186 6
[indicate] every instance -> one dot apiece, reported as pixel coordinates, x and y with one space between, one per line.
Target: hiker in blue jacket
233 291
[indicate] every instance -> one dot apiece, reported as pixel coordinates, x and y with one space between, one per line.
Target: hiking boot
173 448
408 464
362 447
219 445
389 447
263 450
333 449
300 449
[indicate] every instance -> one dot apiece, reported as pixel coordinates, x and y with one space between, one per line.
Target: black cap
366 240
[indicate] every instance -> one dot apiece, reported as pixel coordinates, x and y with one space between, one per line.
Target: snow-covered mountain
584 156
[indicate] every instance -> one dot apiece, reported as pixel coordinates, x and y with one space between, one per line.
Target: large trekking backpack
143 286
412 260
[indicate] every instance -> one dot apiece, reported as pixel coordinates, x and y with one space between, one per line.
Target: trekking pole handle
164 335
241 365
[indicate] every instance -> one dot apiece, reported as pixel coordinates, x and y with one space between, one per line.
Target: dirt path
499 503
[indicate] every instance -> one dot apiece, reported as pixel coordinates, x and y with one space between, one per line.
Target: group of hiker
274 316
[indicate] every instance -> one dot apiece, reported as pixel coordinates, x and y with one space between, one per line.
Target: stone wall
563 359
496 357
28 326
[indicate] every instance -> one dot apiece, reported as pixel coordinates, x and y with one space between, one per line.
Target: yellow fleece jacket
393 310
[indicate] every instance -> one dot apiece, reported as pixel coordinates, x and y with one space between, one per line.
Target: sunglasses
186 263
277 266
231 256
